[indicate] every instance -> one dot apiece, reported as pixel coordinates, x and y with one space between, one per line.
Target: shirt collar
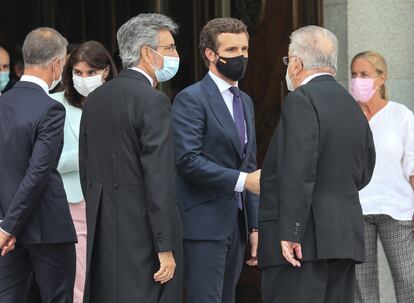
308 78
221 84
144 73
36 80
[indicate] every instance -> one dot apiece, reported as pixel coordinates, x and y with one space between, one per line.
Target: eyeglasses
286 59
171 48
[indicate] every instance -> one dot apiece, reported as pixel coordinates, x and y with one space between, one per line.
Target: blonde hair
380 65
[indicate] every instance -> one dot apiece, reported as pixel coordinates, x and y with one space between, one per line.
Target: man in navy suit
215 151
37 235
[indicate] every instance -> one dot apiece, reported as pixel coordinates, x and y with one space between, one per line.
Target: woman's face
84 70
361 68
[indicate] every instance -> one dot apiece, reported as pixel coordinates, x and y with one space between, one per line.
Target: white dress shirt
390 191
37 81
223 87
137 69
308 78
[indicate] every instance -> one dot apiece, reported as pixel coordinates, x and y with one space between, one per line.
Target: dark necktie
238 115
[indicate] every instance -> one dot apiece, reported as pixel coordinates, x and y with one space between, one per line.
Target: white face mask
56 82
289 83
85 86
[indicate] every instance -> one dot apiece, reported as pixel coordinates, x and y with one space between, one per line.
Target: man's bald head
4 60
316 47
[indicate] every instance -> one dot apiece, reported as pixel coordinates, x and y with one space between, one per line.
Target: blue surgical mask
4 79
169 69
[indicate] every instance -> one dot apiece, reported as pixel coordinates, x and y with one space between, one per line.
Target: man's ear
210 54
145 56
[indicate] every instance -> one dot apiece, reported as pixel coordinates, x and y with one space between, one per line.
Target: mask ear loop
156 53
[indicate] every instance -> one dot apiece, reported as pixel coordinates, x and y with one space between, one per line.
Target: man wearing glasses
321 155
127 173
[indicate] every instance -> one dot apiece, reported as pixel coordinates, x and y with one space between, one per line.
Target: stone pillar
386 26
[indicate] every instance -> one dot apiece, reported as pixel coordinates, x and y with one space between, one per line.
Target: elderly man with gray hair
37 235
310 221
127 173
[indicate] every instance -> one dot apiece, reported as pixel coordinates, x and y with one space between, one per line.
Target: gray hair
140 31
42 45
316 47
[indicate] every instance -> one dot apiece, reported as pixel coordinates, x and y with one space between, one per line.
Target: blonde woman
388 200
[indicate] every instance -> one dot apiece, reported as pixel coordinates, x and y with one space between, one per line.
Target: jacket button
116 185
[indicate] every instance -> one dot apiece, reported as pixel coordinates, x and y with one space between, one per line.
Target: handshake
252 183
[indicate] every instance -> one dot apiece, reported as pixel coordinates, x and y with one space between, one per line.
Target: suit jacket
127 177
68 166
32 198
208 161
321 154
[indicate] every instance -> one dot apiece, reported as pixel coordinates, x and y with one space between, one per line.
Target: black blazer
33 202
209 159
127 178
321 154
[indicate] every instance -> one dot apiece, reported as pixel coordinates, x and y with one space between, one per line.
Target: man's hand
252 183
167 267
7 243
291 250
254 241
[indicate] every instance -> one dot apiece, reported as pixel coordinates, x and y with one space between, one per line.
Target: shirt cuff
4 230
240 182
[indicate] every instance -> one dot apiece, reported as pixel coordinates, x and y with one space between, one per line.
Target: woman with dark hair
88 67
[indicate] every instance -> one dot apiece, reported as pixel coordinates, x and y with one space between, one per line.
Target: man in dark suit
321 155
215 151
127 173
33 206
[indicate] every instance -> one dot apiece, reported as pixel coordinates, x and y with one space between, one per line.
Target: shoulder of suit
194 90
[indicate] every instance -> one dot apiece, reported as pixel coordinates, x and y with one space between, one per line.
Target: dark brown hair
96 56
215 27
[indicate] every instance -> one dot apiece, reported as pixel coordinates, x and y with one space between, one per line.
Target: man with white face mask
36 230
322 153
127 173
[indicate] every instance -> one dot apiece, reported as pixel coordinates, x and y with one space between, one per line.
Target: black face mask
232 68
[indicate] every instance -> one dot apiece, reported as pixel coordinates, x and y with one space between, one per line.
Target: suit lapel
221 112
73 116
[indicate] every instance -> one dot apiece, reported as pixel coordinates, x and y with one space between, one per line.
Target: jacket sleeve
297 167
189 120
157 160
44 158
370 159
252 200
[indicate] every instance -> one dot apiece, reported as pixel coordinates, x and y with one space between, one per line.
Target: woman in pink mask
388 200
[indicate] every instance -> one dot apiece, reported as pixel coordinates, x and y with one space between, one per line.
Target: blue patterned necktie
238 114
